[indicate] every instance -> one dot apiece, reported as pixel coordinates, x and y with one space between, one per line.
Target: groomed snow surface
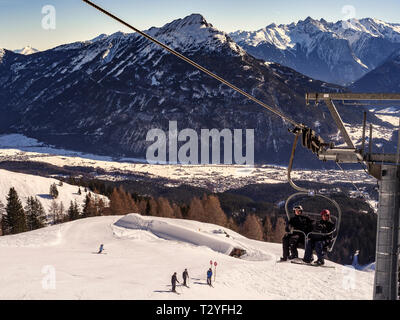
142 253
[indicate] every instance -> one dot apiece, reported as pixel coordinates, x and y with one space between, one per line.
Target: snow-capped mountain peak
26 50
194 19
193 32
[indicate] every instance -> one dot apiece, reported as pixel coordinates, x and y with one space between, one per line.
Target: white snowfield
142 253
28 185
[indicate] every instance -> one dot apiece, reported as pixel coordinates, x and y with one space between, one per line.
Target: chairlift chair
314 216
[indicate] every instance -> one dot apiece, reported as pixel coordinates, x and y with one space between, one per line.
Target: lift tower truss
385 168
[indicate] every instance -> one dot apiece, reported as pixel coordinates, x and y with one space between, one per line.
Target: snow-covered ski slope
142 253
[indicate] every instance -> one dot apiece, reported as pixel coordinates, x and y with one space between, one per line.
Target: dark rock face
385 78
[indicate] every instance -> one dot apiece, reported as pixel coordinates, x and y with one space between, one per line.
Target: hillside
139 262
28 185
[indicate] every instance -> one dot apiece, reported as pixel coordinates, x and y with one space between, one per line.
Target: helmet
325 212
298 208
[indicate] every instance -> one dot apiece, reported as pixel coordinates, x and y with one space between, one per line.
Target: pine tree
269 230
54 191
128 204
164 208
2 215
100 206
252 228
232 225
116 203
73 211
89 208
280 229
177 211
54 211
15 221
35 214
196 210
148 208
214 212
154 210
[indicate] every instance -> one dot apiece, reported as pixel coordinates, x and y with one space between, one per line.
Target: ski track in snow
139 265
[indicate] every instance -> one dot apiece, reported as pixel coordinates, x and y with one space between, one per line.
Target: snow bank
171 231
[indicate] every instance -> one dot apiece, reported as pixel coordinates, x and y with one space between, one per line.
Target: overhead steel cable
196 65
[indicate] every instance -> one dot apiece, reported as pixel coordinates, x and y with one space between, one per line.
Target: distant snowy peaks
284 36
26 50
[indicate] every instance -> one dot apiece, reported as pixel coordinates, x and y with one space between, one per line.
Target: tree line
16 218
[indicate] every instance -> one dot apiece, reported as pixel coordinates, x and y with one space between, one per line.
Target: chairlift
304 197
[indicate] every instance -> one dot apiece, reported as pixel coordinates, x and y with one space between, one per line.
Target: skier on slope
174 280
293 238
101 248
185 275
209 275
319 241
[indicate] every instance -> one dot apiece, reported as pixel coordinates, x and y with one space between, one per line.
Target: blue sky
21 20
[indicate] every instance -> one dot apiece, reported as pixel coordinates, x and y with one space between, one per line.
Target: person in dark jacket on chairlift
320 238
293 238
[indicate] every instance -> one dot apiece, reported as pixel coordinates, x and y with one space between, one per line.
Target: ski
175 292
312 265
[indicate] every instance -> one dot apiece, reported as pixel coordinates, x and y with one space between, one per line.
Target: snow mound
167 229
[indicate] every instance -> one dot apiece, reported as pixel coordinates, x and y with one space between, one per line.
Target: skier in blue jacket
101 248
209 275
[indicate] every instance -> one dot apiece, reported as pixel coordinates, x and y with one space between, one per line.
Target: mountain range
105 94
340 52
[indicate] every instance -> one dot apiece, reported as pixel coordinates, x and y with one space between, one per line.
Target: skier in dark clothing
209 275
174 280
320 241
185 275
292 239
101 248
